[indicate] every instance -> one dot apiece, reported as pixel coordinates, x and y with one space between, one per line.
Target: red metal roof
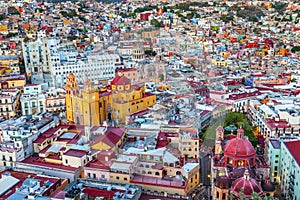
126 70
38 161
293 148
96 192
279 124
111 136
75 153
22 176
243 95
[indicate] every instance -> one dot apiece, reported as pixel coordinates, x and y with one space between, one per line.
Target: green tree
255 196
161 77
9 35
38 9
293 80
156 23
2 17
150 52
253 19
132 14
295 49
26 39
13 11
239 120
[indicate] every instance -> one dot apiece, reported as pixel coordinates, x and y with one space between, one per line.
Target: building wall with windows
95 67
274 159
36 100
100 174
9 103
58 59
290 169
9 155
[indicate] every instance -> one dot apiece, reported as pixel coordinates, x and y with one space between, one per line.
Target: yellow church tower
71 91
92 106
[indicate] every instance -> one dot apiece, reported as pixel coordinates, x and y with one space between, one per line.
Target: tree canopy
156 23
239 120
295 49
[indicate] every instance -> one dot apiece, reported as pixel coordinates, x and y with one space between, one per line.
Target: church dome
247 184
223 182
239 147
120 80
267 186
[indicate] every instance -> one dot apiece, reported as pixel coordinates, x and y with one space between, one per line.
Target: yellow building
8 81
223 63
93 106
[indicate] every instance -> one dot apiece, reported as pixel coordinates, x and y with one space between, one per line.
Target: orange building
93 106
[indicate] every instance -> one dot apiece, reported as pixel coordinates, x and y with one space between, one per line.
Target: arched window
178 173
157 173
149 172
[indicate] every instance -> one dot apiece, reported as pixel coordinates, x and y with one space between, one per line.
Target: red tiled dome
120 80
248 184
239 147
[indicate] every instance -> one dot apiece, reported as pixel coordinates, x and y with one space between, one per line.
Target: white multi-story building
36 55
58 59
95 67
36 100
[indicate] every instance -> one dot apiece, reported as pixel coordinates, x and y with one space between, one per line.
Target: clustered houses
36 99
166 157
276 116
118 92
17 136
20 184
